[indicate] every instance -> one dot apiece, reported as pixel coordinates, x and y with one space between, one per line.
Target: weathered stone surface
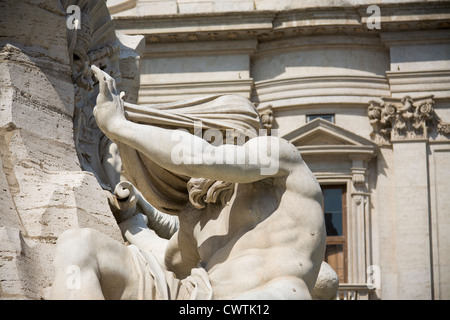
44 191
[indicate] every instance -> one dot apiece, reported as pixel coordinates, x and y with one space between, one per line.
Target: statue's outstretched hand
109 111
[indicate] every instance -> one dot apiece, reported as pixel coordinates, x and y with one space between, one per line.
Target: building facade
362 88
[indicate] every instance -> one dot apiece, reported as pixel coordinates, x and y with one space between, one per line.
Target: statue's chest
219 232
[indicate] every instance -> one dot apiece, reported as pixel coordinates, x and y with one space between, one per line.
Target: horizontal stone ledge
177 24
298 103
323 81
161 93
409 140
420 83
193 86
367 151
314 42
198 48
271 23
415 37
300 96
415 76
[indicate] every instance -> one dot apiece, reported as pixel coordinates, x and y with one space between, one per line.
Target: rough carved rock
44 189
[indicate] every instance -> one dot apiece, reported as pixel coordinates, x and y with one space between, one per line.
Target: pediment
322 136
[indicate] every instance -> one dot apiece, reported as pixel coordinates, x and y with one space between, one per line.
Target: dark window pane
328 117
333 211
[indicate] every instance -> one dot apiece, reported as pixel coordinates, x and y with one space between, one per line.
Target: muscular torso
263 234
271 228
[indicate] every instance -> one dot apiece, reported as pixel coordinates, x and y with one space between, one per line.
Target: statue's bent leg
90 265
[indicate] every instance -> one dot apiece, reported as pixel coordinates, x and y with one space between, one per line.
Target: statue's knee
75 234
76 244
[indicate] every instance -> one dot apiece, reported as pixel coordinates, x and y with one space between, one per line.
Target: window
334 208
328 117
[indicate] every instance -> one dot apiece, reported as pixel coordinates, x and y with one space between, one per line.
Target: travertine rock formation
43 187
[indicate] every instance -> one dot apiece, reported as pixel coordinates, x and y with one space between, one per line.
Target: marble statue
238 220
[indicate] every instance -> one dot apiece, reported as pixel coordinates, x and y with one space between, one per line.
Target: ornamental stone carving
444 128
267 118
401 119
97 42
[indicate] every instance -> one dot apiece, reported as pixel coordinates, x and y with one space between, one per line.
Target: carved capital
266 114
401 119
359 178
443 128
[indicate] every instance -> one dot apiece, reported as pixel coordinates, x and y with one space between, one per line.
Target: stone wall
43 187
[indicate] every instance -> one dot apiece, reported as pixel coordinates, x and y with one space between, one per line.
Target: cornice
270 25
416 37
198 48
120 5
197 27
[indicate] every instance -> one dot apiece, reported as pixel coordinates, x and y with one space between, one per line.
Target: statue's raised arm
250 214
187 154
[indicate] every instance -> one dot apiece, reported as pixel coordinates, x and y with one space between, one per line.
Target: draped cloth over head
165 190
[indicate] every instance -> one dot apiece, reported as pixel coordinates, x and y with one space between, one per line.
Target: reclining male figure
266 242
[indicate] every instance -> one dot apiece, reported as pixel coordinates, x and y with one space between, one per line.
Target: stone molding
168 92
116 6
299 91
402 83
322 138
273 24
267 117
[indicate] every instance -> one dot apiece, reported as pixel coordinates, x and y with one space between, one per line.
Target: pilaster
358 229
405 124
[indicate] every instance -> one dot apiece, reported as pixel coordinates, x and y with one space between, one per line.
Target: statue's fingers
97 72
100 76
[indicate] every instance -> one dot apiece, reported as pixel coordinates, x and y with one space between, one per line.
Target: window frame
321 115
339 240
